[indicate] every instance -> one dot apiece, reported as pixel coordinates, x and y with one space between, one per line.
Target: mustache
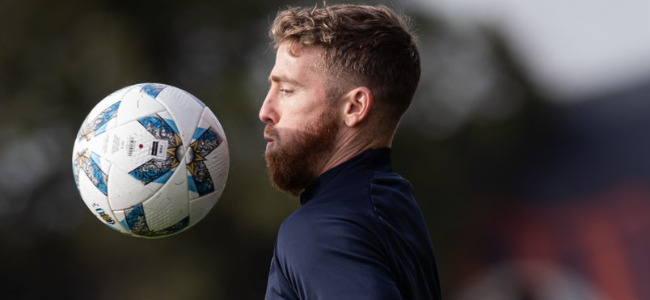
270 131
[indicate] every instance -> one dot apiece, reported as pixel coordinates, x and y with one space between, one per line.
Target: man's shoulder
343 223
349 207
329 218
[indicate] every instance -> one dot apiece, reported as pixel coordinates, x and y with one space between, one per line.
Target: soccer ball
150 160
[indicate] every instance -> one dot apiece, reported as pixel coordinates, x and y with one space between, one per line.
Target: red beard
292 167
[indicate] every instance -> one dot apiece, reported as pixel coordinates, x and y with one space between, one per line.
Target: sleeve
326 258
278 288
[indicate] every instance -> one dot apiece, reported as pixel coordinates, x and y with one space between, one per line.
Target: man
343 77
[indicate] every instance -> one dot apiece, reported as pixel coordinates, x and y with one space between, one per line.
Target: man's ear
357 105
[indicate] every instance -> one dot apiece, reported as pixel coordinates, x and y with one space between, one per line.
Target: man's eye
286 90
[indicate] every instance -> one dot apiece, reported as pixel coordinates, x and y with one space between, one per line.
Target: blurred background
527 145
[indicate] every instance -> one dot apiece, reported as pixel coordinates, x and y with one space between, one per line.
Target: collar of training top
377 159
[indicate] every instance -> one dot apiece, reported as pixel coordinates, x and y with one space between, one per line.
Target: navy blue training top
358 234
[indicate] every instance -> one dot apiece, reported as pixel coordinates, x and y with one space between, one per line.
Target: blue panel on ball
96 158
137 223
97 176
89 164
202 179
156 125
98 125
172 125
157 167
125 224
136 220
153 89
150 171
101 129
164 177
198 133
206 141
191 185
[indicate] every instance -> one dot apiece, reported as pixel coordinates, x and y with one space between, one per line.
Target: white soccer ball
150 160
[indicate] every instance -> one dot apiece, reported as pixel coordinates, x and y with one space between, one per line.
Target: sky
572 49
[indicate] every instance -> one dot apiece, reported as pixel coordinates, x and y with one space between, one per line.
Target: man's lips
269 142
269 133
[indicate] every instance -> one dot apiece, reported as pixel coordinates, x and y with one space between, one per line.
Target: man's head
362 45
343 77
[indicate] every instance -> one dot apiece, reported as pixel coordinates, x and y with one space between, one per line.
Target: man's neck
350 144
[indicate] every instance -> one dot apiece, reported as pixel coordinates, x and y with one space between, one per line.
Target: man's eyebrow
281 79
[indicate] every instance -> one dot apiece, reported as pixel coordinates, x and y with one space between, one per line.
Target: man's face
301 122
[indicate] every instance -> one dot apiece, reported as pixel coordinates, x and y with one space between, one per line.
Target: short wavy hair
364 45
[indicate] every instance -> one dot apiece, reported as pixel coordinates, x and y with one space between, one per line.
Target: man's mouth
269 132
